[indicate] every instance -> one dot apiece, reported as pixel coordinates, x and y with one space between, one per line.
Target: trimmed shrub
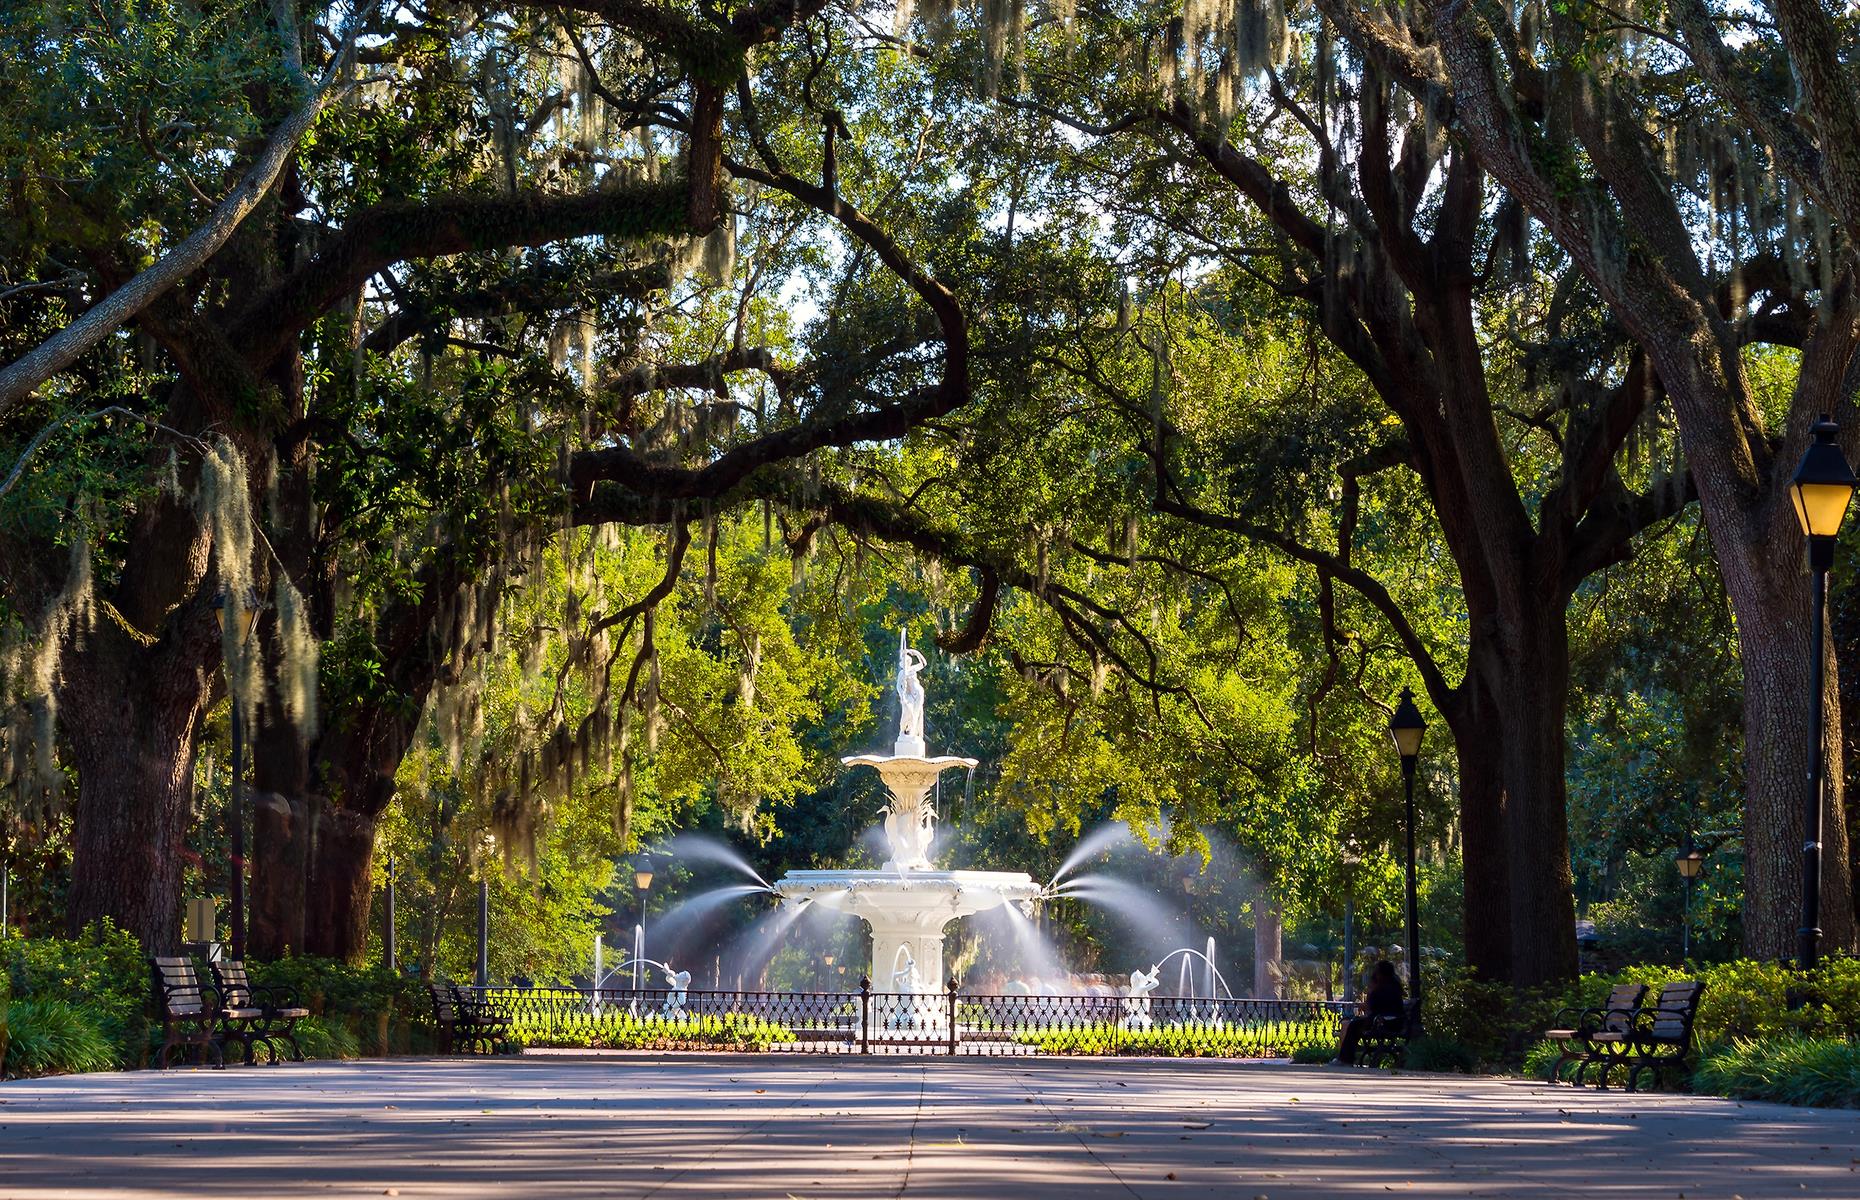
1258 1039
1314 1054
1787 1069
379 1012
50 1037
618 1030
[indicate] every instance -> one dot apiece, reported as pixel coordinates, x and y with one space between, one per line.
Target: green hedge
1502 1026
83 1004
618 1030
1257 1039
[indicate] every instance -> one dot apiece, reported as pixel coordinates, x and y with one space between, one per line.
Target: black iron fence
869 1022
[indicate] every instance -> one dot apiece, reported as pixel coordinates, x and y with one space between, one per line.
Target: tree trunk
1774 647
1268 946
282 841
283 831
1531 689
1484 860
340 886
129 715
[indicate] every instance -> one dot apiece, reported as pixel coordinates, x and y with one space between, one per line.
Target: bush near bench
76 1004
80 1004
1743 999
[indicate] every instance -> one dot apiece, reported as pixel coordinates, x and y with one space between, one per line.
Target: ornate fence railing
868 1022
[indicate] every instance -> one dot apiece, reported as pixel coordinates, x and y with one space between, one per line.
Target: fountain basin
907 913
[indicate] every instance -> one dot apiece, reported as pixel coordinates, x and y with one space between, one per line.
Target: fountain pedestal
908 913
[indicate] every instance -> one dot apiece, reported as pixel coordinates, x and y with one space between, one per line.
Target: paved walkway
733 1127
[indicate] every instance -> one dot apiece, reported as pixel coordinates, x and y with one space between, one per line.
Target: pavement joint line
910 1145
1083 1144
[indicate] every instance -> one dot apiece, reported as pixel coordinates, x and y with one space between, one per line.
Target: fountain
909 902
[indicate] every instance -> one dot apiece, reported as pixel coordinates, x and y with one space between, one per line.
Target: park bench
1577 1028
1659 1035
464 1021
275 1022
1385 1042
190 1013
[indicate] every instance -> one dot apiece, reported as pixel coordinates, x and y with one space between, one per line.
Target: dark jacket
1384 999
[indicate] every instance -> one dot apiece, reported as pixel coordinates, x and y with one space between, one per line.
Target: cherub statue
906 980
1137 997
680 984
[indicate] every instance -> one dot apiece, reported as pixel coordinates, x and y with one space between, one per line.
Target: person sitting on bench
1384 1000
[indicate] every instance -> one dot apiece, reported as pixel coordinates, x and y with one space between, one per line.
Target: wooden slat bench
190 1013
1660 1036
276 1020
464 1021
1577 1028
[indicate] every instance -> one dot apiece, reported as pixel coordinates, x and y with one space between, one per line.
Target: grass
1821 1072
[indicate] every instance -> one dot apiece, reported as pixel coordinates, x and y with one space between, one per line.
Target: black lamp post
1691 861
1406 728
1823 486
642 882
389 957
244 614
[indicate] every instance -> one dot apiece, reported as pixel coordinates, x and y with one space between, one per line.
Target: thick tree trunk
340 885
1774 647
283 836
1484 860
282 841
129 715
1531 696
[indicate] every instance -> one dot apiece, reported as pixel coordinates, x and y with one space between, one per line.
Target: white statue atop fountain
910 743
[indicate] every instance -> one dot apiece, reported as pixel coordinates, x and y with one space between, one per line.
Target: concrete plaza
768 1126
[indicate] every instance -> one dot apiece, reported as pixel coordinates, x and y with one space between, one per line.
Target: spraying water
1152 919
1186 981
698 848
688 916
1099 840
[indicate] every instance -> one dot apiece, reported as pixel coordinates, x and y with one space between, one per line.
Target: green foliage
327 1037
616 1029
1314 1053
52 1037
1749 999
1256 1039
354 1010
1786 1069
1538 1059
101 973
1437 1053
1490 1021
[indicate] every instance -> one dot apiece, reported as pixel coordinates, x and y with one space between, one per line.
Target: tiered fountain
908 903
